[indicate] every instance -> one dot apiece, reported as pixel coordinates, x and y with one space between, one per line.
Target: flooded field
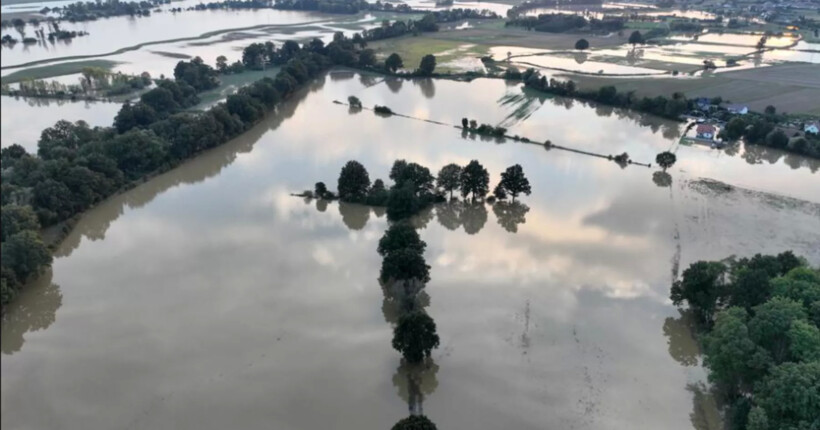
24 119
210 298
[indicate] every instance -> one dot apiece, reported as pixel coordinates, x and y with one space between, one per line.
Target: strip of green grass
55 70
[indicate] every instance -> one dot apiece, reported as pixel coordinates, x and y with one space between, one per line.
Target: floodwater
579 62
210 298
743 39
23 119
110 34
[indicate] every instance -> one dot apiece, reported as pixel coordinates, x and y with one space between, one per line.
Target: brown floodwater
210 298
24 118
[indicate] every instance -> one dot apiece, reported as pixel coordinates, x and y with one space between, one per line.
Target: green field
55 70
412 48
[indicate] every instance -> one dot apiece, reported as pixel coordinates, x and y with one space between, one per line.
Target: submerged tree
475 180
414 422
400 235
636 38
415 336
449 177
353 182
513 182
666 159
582 44
404 264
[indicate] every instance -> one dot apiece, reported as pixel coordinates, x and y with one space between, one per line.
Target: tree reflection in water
662 179
35 309
355 216
414 382
679 334
510 214
473 216
402 297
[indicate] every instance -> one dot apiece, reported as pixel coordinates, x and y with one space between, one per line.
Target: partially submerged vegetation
759 320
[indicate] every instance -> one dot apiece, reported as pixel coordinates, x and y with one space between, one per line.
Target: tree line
415 188
77 166
758 325
762 129
560 23
671 108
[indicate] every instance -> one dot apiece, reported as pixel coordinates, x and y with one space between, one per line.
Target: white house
738 109
812 128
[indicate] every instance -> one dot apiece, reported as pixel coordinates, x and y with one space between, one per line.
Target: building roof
705 128
736 107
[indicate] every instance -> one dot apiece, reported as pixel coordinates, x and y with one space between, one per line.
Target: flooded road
210 298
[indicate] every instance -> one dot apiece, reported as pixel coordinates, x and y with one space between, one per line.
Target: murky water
210 298
23 119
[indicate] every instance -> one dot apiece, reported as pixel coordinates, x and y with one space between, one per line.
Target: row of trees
759 320
91 11
414 187
77 166
671 108
560 23
763 130
486 129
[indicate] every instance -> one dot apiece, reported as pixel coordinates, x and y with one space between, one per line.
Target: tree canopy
514 182
449 177
353 182
475 180
427 65
415 336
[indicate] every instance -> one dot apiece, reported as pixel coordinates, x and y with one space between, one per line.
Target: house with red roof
705 131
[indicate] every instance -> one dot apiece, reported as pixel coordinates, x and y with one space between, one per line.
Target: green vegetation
760 336
666 159
55 70
562 23
513 182
414 422
763 129
582 44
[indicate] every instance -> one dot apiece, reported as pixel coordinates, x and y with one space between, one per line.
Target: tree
414 422
636 38
320 190
790 395
427 65
16 218
418 176
804 341
449 177
25 254
393 63
63 135
757 419
367 57
465 123
777 139
415 336
728 348
475 180
354 102
666 160
771 323
353 182
582 44
400 235
735 127
761 44
702 285
513 181
770 110
750 288
404 264
221 64
377 195
402 202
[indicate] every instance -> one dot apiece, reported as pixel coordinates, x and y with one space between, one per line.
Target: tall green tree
636 38
475 180
16 218
666 159
449 177
354 182
427 65
404 264
702 285
393 63
400 235
414 422
514 182
771 323
25 254
415 336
